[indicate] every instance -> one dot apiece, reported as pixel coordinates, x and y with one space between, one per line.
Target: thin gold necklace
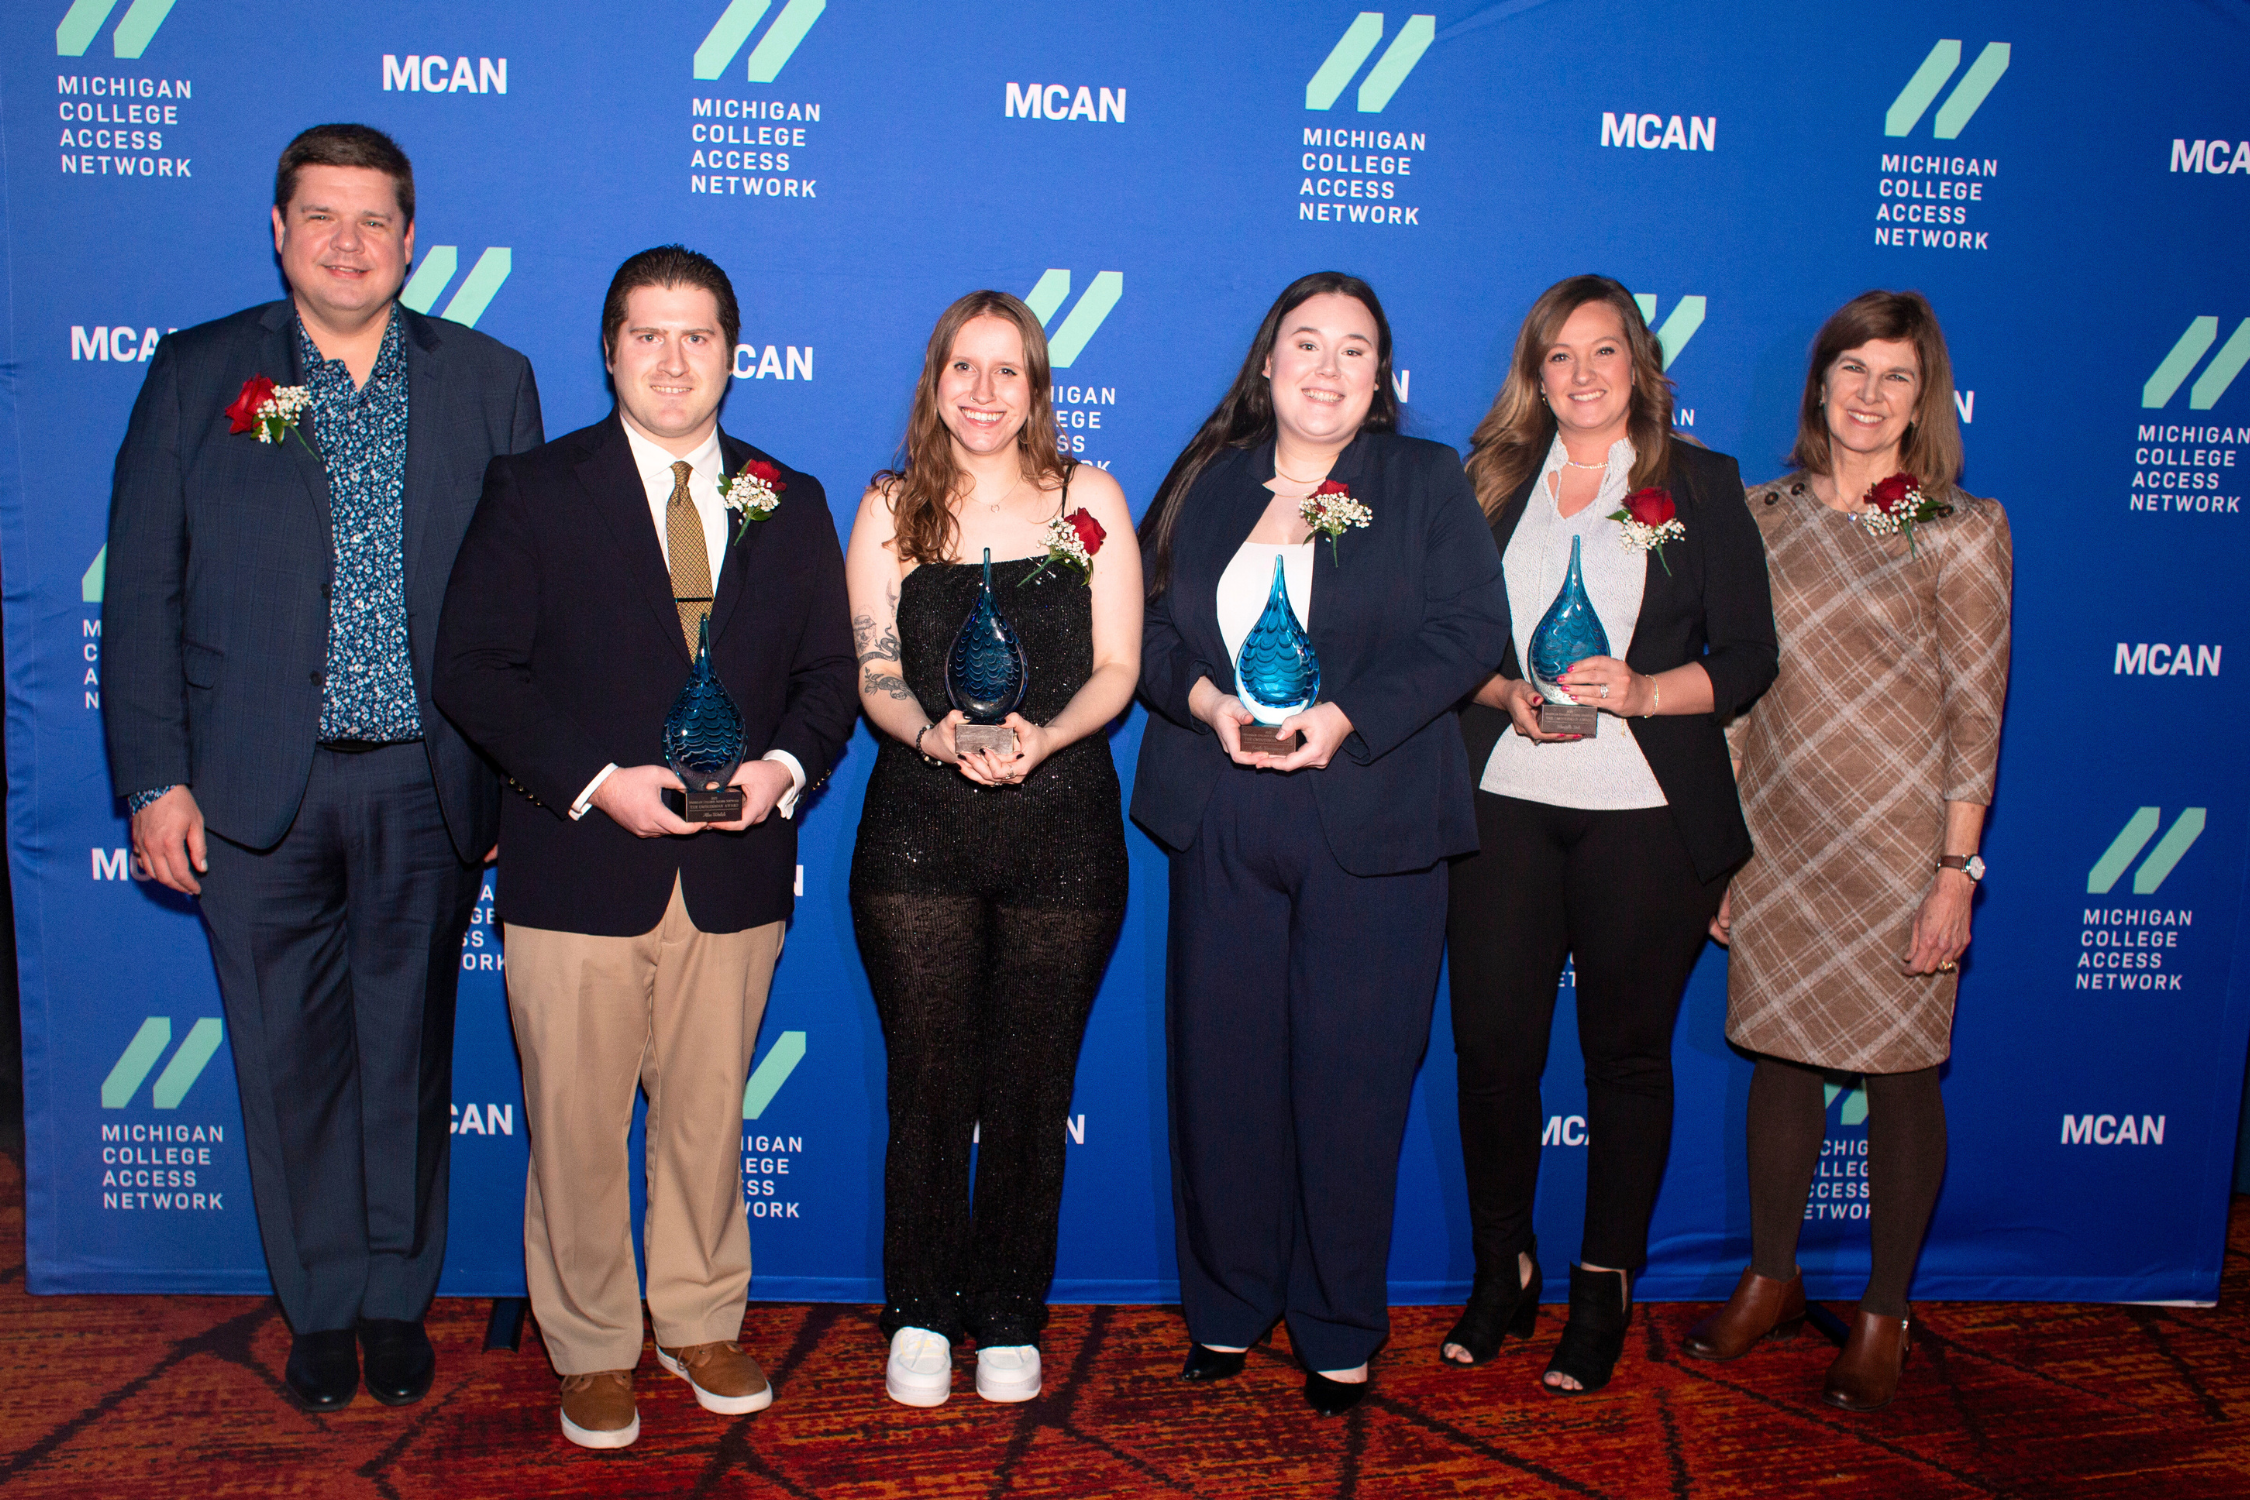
994 505
1293 479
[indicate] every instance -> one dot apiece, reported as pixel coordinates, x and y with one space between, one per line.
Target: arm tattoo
871 645
872 682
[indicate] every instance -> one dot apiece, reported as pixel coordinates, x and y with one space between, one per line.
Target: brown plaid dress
1894 669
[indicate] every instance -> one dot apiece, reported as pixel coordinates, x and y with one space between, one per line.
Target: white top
707 463
1606 771
1243 588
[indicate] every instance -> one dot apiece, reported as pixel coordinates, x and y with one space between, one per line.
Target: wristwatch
1971 866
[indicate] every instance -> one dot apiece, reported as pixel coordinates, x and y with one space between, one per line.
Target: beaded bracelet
918 750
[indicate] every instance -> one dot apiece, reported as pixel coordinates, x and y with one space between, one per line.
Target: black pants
338 953
1298 1000
1617 892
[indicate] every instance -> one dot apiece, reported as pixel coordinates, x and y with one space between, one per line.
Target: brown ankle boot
1761 1307
1865 1376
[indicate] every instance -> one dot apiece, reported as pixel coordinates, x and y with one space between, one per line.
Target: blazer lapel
742 540
278 353
613 484
426 393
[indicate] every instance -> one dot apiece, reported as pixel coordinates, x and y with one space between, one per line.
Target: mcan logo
1686 318
477 289
2133 838
772 1072
83 22
1067 341
1390 70
2201 334
1937 69
773 49
140 1057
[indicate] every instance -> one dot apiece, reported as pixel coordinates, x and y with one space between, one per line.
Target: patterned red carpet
181 1397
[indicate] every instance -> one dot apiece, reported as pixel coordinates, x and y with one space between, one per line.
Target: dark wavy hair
1244 417
669 266
924 481
1931 447
1511 443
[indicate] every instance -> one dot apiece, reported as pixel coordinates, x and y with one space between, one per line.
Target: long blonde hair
1512 441
924 480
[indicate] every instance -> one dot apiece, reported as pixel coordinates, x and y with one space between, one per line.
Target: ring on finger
1604 690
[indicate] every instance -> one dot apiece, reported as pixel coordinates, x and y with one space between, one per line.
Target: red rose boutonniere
1331 510
1899 504
1650 520
269 410
1072 540
752 493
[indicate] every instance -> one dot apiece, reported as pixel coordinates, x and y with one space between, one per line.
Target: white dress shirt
705 465
1606 770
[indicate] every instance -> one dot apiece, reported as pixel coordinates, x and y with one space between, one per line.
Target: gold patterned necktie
691 557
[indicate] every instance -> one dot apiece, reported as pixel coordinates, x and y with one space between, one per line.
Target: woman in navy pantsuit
1308 888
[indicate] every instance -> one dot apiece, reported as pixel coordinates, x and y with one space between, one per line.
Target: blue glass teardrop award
986 674
1568 632
703 743
1276 673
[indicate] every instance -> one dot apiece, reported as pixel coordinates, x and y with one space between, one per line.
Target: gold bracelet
1655 697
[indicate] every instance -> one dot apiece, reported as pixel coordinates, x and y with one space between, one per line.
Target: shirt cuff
787 806
586 797
138 801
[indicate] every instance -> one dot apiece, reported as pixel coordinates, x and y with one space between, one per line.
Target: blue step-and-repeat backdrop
2070 184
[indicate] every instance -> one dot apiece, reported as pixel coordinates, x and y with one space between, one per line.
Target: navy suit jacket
561 652
1713 605
1408 617
215 601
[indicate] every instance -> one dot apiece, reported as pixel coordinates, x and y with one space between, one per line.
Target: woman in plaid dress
1865 773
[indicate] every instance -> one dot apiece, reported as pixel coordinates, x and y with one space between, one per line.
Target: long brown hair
1931 448
1244 416
1511 443
924 480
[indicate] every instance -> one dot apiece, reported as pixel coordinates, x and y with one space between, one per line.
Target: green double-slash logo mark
179 1074
2216 377
83 22
436 269
1855 1101
1906 110
1352 49
1686 317
772 1072
2133 838
1067 342
773 49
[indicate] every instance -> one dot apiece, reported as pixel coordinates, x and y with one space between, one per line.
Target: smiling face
343 242
1587 374
1322 369
670 362
1871 395
984 391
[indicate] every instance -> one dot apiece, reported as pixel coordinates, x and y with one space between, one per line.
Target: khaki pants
674 1011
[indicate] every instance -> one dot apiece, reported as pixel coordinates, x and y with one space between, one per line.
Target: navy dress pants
338 953
1298 1000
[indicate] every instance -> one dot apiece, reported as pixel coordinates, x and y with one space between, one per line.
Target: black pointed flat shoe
1212 1364
1332 1398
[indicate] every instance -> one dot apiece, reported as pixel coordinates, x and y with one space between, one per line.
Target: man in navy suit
270 612
640 946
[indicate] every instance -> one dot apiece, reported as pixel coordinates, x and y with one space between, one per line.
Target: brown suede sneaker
724 1379
597 1409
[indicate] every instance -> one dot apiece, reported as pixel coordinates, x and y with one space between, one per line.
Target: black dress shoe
1332 1398
323 1370
400 1361
1212 1364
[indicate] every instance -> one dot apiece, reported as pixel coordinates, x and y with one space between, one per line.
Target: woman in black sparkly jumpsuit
986 889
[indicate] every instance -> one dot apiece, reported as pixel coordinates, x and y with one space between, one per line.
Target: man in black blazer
270 610
640 946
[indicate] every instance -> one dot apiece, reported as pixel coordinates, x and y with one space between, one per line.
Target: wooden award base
718 805
1581 719
1264 739
969 739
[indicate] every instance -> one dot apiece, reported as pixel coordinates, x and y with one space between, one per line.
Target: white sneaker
1008 1372
920 1372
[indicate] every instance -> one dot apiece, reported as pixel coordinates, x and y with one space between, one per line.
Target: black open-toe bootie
1500 1303
1601 1304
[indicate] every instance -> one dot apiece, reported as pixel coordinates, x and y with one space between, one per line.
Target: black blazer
1713 607
560 652
215 601
1407 616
